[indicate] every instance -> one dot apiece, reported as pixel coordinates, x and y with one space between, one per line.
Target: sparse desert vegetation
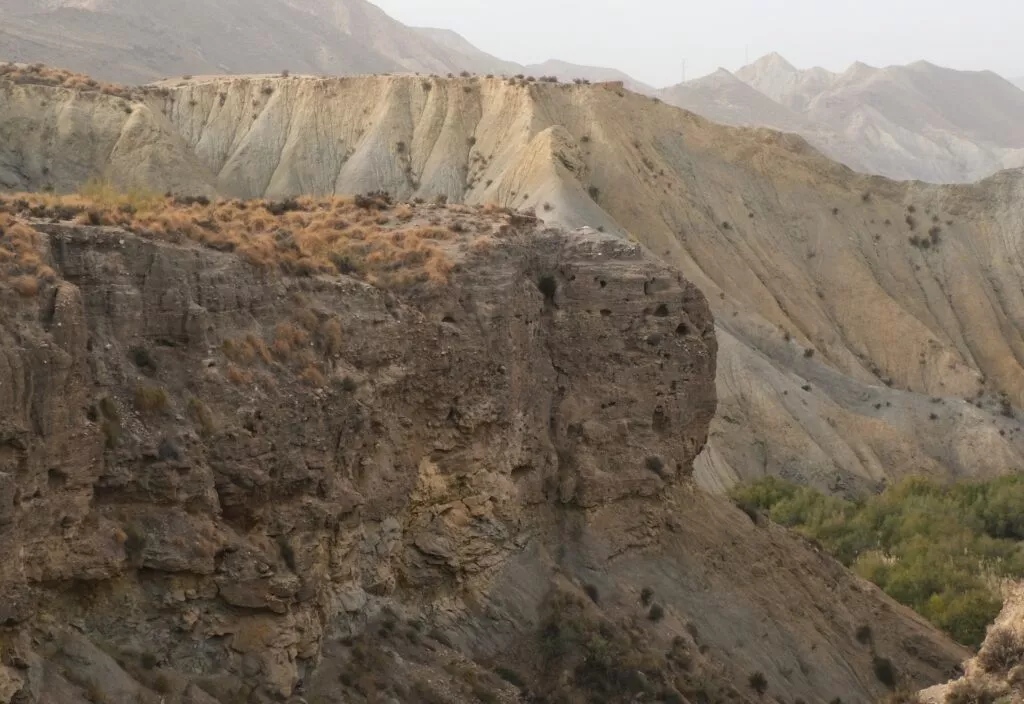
940 548
22 269
41 75
589 654
369 236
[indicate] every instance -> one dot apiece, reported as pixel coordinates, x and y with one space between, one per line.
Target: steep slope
133 41
224 482
919 121
59 138
867 328
138 42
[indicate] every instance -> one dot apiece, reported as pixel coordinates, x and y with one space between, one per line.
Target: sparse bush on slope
938 548
590 656
41 75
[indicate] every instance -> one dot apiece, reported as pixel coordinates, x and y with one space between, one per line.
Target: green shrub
163 684
758 682
921 541
510 676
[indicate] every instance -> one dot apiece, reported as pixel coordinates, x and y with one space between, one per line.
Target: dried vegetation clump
22 269
40 75
369 236
308 344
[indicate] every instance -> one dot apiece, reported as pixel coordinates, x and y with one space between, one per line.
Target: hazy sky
649 38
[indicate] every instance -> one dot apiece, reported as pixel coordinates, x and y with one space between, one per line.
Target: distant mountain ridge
916 122
139 41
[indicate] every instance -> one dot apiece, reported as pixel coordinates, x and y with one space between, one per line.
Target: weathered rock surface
183 523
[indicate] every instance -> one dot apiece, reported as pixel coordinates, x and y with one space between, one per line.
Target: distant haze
649 38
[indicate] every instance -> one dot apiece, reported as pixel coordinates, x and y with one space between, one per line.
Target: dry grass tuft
21 264
313 376
26 286
238 376
203 416
331 337
151 399
246 351
306 318
288 339
483 243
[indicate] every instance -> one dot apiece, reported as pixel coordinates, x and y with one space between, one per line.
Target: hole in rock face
661 311
656 465
682 329
56 478
143 360
448 319
549 287
605 312
659 420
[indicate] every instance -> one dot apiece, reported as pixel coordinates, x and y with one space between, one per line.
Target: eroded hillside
266 470
868 329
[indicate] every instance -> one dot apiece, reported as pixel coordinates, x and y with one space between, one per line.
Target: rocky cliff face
222 483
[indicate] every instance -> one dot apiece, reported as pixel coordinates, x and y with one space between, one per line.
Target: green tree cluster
940 548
